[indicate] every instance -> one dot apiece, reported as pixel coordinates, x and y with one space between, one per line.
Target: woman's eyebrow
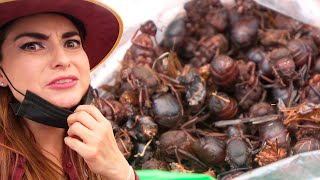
41 36
32 35
70 34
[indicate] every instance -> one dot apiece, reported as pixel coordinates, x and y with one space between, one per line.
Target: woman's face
43 54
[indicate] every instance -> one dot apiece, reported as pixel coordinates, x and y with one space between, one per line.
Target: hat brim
103 25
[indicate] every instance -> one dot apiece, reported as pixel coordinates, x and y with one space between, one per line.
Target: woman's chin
69 107
66 100
67 103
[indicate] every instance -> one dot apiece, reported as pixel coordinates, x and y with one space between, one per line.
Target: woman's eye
32 46
72 44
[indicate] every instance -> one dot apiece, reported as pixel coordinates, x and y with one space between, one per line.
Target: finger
93 111
76 145
79 130
84 118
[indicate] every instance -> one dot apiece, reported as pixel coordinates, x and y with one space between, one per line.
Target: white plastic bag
307 11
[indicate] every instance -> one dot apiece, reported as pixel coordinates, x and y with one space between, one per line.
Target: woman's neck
49 139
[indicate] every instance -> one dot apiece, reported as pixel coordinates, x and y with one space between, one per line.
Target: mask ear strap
10 82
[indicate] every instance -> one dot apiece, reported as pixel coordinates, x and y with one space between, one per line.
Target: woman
47 131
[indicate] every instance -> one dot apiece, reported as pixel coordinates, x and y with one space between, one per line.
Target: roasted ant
144 79
316 68
256 55
124 143
168 64
129 97
248 90
285 67
247 95
275 131
209 150
273 37
288 95
312 91
247 73
166 110
142 128
148 82
218 18
306 145
313 32
224 71
198 9
196 90
303 51
286 23
261 109
223 106
244 6
282 63
178 143
305 129
110 108
207 47
205 30
278 63
173 139
144 45
174 34
239 149
232 68
130 100
187 51
245 31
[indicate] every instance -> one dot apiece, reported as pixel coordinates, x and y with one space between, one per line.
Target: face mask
37 109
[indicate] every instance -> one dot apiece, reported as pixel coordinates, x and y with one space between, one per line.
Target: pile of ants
227 90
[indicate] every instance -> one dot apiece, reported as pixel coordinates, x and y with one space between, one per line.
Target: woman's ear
3 79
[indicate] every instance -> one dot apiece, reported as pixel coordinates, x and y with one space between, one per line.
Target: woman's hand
90 134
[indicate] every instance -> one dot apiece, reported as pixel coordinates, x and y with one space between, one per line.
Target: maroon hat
103 26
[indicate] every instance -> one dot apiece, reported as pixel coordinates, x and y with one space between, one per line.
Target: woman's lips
63 82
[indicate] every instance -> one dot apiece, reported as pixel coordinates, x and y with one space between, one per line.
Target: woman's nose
60 58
